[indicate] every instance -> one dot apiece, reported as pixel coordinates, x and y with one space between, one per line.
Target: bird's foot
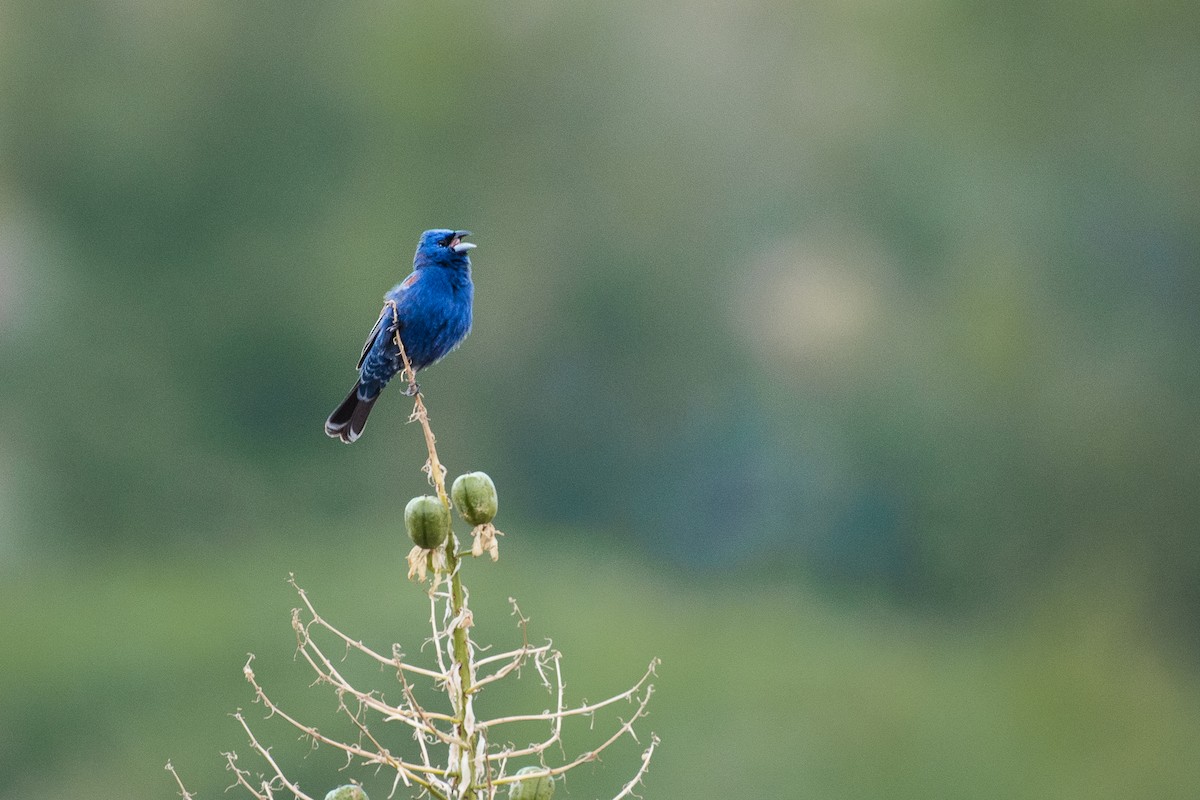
412 390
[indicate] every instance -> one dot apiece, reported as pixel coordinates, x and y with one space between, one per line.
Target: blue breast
435 316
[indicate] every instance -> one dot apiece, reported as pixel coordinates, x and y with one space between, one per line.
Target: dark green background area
842 355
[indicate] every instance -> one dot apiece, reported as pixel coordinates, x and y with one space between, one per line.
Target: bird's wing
372 336
392 297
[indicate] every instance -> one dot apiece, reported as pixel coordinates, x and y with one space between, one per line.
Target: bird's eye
447 241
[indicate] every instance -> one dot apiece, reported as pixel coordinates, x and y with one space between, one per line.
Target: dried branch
456 757
627 791
265 753
395 661
326 672
184 793
584 709
383 757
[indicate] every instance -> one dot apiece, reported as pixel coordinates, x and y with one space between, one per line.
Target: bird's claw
412 390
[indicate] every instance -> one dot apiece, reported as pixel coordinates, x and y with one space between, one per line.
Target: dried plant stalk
447 753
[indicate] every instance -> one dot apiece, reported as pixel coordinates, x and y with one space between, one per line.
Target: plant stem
462 701
458 602
460 615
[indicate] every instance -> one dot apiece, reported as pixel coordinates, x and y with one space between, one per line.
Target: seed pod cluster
427 521
539 788
474 496
347 792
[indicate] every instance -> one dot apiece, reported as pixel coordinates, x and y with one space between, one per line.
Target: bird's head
443 247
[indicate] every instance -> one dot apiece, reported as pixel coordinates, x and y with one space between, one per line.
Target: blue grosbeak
431 309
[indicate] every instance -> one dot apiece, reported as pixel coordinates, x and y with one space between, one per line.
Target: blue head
442 247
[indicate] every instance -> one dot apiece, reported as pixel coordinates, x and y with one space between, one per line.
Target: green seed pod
427 520
347 792
541 788
474 496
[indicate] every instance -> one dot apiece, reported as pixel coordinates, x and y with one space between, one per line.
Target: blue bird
432 310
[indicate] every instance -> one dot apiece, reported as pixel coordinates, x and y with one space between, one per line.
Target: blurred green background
842 355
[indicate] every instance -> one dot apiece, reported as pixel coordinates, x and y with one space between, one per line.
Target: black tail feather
348 420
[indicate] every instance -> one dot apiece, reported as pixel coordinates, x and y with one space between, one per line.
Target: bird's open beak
458 245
